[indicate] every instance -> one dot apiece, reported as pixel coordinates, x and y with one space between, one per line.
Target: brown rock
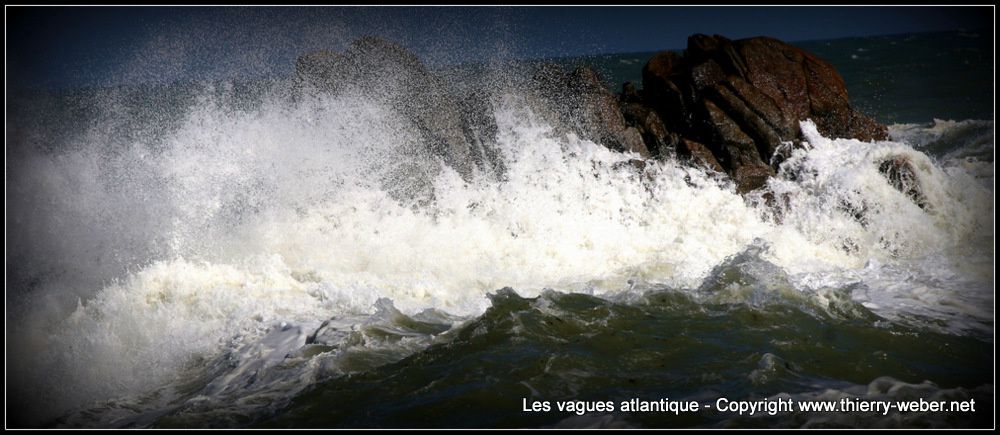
766 139
698 154
629 93
722 132
658 140
660 78
735 150
744 98
864 128
750 175
764 106
775 68
706 74
663 67
806 87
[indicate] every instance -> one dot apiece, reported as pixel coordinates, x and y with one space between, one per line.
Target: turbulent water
228 256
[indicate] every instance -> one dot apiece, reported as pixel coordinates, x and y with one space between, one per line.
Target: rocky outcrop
698 154
574 101
587 107
658 140
903 176
732 107
743 98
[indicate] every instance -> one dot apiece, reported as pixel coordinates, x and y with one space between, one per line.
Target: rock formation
586 106
743 98
903 176
727 106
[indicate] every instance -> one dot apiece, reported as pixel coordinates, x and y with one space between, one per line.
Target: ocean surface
221 255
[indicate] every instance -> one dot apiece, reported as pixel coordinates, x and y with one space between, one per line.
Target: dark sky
79 46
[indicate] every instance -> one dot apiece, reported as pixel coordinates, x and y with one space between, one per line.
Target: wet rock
744 100
629 93
583 104
734 149
638 165
662 84
730 106
654 134
763 106
903 176
765 138
698 153
778 205
601 117
706 74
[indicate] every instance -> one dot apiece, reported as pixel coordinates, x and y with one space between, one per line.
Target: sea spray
233 223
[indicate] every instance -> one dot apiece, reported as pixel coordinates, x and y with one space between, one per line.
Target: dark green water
665 344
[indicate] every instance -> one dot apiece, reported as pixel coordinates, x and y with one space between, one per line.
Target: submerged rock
903 176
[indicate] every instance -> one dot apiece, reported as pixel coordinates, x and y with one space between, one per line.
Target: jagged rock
706 74
699 154
805 86
629 93
661 85
657 139
764 106
581 102
598 111
734 149
764 137
903 176
743 99
730 106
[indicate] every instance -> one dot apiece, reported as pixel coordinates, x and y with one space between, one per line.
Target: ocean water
223 255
